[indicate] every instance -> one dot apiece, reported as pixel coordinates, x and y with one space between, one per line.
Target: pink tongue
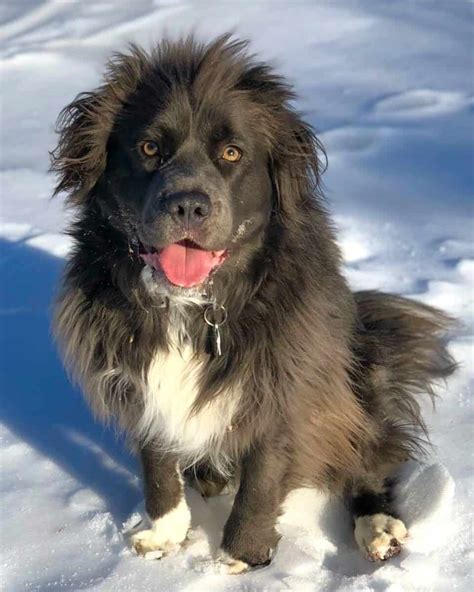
185 265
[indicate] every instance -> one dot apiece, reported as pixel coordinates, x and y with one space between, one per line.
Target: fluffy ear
296 164
84 126
295 151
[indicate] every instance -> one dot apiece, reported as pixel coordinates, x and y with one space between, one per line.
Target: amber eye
150 148
231 154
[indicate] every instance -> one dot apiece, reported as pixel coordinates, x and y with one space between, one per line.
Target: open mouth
184 263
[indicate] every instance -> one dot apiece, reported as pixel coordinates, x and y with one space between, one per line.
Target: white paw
230 566
150 546
379 536
155 538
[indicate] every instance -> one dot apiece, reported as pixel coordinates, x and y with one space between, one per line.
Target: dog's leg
207 481
378 531
168 513
249 534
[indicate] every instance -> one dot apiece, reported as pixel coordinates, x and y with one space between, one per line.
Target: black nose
188 209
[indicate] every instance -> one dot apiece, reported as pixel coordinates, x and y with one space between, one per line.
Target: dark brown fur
329 378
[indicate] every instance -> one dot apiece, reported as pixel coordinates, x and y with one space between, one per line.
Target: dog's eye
150 148
231 154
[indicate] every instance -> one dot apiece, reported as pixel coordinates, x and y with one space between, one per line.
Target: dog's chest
172 389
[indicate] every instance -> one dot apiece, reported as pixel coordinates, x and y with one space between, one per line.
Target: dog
204 312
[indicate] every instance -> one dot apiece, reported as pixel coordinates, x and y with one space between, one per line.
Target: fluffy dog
203 309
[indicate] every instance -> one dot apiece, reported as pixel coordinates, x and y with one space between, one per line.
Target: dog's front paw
240 562
380 536
229 565
246 546
150 545
154 539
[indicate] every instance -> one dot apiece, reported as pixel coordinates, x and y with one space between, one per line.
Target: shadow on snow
37 401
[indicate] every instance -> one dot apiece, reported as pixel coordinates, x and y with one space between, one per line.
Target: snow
388 85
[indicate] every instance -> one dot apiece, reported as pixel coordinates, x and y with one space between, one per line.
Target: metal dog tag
215 316
217 337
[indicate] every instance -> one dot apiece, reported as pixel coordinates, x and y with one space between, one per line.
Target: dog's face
193 181
189 153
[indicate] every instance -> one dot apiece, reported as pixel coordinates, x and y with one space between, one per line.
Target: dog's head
189 152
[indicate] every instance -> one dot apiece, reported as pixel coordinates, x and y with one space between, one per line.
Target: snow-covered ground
389 87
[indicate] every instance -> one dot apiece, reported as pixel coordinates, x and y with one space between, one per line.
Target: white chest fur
172 388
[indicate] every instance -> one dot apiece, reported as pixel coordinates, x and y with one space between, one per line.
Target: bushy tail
403 346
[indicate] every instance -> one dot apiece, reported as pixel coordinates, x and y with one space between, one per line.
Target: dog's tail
402 344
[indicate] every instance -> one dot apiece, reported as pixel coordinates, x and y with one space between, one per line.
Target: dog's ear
296 163
84 126
296 154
